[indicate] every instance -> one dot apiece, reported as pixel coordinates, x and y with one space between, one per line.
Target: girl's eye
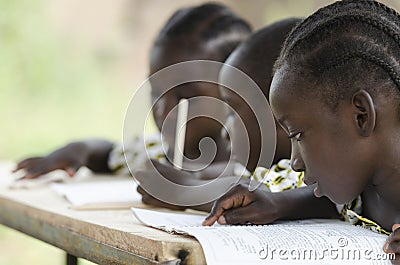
296 136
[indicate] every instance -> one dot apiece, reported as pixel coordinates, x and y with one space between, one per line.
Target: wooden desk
103 237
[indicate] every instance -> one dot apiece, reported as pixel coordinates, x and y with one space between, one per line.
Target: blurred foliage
51 89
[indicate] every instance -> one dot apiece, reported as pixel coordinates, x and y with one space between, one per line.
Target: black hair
344 47
256 55
206 23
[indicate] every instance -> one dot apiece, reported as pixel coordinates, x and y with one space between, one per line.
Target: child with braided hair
336 93
254 57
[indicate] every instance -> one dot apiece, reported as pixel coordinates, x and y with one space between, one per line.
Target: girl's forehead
289 80
189 90
281 84
289 90
168 53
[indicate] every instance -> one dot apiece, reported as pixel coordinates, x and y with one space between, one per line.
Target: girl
336 93
208 31
255 57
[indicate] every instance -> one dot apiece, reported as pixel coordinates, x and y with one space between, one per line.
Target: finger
35 175
210 220
36 171
242 215
226 202
140 175
25 163
393 247
219 207
72 169
395 226
391 241
148 199
141 191
237 216
221 220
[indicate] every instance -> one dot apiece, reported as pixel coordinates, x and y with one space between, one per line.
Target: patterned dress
136 153
279 177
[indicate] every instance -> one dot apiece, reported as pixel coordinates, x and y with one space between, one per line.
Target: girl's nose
168 106
227 128
296 161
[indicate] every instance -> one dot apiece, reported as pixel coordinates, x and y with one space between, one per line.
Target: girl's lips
308 181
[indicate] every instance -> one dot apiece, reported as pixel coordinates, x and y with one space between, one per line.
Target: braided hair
344 47
209 23
256 55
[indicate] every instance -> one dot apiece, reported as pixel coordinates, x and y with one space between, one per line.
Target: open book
101 193
316 241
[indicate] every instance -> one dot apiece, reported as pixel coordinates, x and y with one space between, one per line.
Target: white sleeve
136 153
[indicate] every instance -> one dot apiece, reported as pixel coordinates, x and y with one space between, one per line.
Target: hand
69 158
240 206
154 171
150 200
392 244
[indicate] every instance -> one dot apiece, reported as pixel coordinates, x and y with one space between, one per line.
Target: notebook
100 193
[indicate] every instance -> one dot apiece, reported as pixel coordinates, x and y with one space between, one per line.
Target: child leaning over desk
336 93
186 36
255 57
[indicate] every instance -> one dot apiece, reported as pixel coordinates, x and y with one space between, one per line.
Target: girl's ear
365 114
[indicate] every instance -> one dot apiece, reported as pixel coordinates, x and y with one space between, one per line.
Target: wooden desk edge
14 215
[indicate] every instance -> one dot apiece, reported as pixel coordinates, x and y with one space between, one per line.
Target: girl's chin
335 199
317 192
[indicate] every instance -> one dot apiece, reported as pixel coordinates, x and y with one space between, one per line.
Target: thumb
395 226
72 169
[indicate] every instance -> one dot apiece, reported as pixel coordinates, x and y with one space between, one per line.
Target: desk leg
71 260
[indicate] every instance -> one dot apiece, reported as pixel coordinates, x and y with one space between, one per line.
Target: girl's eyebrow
282 119
281 122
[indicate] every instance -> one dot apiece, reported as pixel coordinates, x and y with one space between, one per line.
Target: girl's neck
381 200
386 177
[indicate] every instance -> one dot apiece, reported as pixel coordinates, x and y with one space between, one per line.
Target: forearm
208 206
96 153
203 207
215 170
301 203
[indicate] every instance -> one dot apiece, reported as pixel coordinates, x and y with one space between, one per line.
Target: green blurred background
68 69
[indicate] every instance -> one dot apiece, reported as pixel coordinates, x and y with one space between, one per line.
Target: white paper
295 242
52 177
170 222
96 194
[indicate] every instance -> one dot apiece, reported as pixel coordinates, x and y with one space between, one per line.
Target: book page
293 242
100 194
170 222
